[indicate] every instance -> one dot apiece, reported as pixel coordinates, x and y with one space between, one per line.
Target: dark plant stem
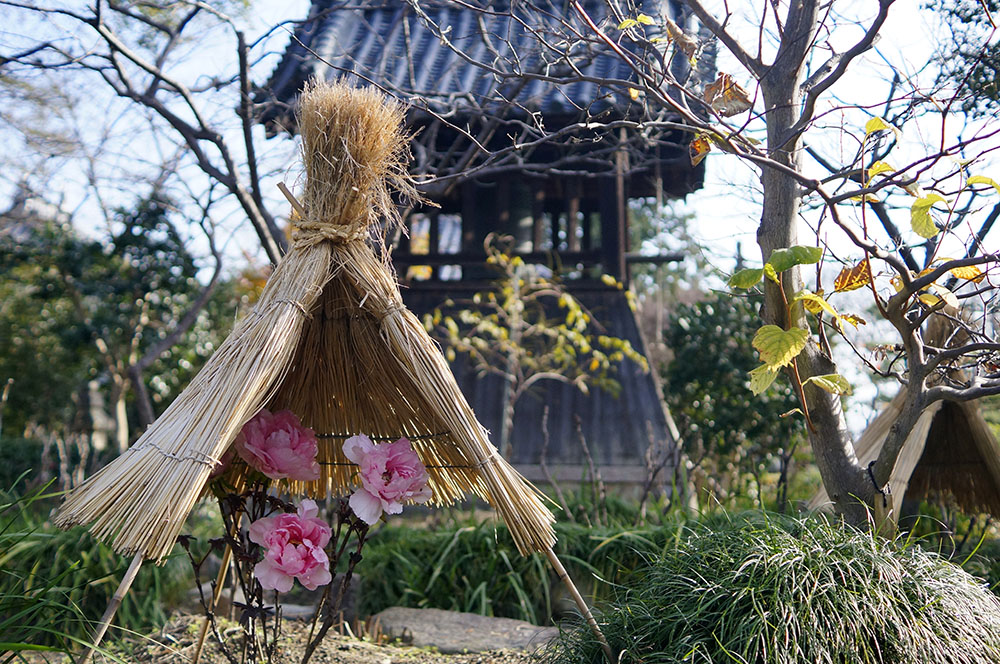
331 611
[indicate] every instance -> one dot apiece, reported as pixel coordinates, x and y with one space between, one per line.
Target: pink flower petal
356 448
278 446
271 578
315 577
367 507
307 509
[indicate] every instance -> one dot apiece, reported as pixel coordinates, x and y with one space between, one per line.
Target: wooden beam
654 259
401 260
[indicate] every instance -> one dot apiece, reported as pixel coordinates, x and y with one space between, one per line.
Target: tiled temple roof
389 43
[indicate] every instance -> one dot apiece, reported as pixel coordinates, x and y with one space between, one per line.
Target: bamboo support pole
220 580
580 602
116 601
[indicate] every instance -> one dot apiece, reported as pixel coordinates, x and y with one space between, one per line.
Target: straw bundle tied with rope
330 340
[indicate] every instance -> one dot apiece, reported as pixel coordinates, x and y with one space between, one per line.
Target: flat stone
454 632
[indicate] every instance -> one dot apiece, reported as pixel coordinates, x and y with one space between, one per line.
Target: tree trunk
831 442
121 412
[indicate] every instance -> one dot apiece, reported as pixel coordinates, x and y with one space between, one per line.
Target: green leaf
761 378
745 278
770 273
628 23
920 215
878 124
982 179
783 259
832 383
778 347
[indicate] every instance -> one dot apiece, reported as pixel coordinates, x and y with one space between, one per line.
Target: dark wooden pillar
434 240
612 210
480 216
537 217
573 215
516 218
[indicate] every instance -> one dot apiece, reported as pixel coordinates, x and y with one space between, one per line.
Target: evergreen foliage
763 589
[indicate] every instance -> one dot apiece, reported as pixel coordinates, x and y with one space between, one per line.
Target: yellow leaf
628 23
970 272
853 278
645 20
935 293
914 189
814 303
699 148
878 168
982 179
778 347
920 215
761 378
853 319
634 94
594 364
878 124
770 273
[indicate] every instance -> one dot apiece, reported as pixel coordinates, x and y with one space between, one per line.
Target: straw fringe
141 499
330 340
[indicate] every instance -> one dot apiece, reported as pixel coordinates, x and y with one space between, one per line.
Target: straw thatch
951 451
330 340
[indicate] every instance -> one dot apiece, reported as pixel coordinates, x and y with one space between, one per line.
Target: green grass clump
54 584
474 567
766 589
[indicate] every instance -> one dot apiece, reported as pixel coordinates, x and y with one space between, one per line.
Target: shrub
766 589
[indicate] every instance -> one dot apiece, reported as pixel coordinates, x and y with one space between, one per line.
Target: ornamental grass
767 589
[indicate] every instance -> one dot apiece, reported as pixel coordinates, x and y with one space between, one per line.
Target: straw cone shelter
951 451
331 341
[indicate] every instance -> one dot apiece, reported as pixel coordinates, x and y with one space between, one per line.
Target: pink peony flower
391 473
279 446
294 549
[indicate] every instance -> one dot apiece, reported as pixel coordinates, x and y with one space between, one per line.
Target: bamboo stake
116 601
220 580
580 602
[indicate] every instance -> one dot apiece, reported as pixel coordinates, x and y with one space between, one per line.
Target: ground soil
175 644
